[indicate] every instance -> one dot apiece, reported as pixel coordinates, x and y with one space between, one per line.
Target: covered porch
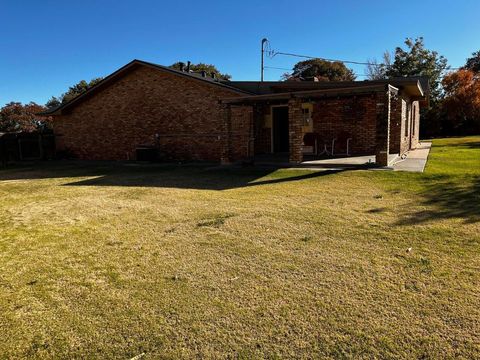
318 125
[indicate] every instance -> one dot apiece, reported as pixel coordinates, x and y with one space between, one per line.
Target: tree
473 63
378 71
78 89
461 102
15 116
208 68
417 60
53 103
72 92
323 70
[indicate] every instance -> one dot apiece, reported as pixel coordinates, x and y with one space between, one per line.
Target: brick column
226 157
295 121
395 124
256 126
382 144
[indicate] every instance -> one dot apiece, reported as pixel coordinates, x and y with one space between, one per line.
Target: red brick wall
355 116
263 134
184 112
242 132
404 126
295 122
396 125
263 140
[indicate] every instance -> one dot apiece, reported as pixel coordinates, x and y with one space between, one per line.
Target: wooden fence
20 146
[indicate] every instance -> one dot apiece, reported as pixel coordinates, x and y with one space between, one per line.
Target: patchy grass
113 261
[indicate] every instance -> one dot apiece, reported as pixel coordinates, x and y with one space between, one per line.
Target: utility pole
264 41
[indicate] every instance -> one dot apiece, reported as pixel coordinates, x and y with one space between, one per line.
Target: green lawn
113 261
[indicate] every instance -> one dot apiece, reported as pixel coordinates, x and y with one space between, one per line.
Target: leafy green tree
53 103
72 92
473 63
78 89
417 60
208 68
323 70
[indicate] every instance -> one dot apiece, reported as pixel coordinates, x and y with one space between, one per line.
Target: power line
277 68
282 68
275 53
272 54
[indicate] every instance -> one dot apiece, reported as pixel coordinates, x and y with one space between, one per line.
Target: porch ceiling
323 93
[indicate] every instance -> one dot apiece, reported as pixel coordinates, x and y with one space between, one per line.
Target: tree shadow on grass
448 200
467 145
194 176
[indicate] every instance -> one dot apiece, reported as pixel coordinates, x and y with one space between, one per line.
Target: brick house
187 116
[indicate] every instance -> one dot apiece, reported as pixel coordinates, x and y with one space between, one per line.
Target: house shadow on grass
189 176
200 179
448 200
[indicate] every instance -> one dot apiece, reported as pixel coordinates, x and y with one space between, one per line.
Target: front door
280 129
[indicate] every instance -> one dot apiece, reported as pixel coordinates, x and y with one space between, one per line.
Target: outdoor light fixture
306 116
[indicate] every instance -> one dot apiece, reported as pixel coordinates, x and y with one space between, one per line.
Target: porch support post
382 145
226 157
295 121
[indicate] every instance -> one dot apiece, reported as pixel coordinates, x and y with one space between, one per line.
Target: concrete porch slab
351 161
337 163
416 159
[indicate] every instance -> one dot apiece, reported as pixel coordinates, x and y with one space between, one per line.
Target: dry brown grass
110 261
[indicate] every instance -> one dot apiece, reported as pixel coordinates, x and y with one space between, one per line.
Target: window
306 116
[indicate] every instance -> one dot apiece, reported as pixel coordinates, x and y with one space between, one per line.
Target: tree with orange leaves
461 103
16 116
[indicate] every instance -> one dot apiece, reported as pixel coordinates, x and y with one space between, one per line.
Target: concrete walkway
415 160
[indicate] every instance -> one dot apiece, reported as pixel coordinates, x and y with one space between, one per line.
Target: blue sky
46 46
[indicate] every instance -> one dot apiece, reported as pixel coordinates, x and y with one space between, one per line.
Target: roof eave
309 94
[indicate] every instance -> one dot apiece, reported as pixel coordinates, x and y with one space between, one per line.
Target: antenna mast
264 41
